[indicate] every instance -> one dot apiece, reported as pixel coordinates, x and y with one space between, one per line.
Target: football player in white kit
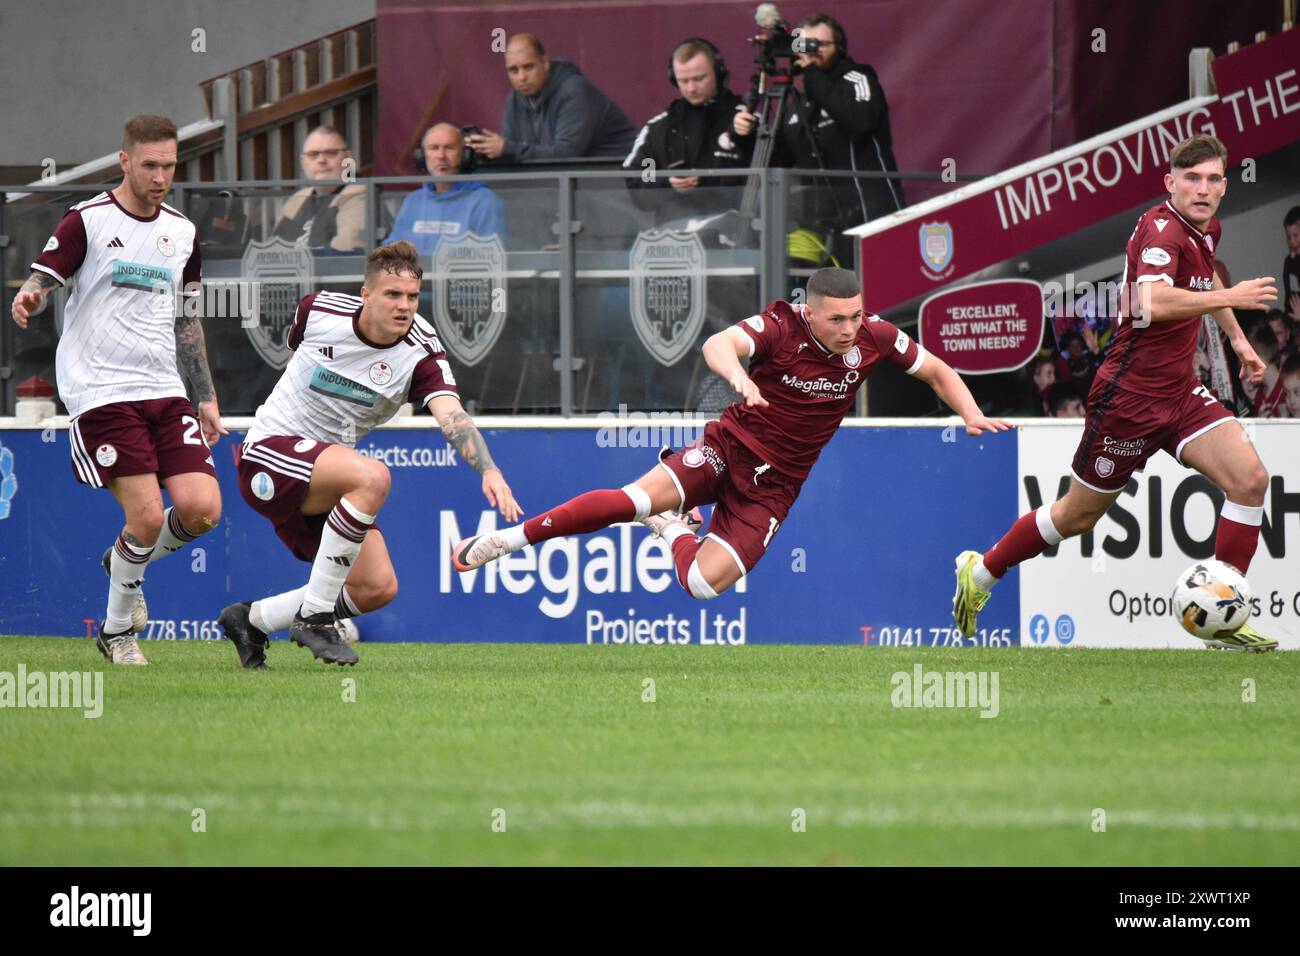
356 361
127 343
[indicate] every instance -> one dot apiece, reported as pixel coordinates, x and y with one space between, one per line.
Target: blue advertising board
865 556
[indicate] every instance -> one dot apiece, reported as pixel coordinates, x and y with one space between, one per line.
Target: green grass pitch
528 754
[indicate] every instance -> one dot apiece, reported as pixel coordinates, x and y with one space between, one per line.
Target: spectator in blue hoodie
553 112
447 209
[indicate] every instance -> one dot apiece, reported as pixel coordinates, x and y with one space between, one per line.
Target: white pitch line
109 810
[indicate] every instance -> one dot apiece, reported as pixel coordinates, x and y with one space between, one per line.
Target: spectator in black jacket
694 132
553 112
845 105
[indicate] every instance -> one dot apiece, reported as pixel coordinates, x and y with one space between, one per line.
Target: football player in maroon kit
1146 396
806 364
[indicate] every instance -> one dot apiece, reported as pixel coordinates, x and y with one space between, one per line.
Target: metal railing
606 284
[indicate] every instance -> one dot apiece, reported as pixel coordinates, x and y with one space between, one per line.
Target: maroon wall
435 59
1144 68
988 83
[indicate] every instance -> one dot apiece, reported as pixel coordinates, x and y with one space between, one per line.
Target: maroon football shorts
274 477
752 498
158 436
1123 429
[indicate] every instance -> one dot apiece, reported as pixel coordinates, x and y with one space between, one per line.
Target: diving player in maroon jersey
806 364
1146 396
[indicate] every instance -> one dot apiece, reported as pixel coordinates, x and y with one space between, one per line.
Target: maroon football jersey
809 389
1156 359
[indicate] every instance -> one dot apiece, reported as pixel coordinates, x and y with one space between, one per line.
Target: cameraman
694 132
845 105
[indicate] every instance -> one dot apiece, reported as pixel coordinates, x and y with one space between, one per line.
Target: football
348 630
1212 600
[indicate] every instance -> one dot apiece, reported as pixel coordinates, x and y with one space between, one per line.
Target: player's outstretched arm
947 384
723 352
1163 303
192 362
31 298
1252 366
463 435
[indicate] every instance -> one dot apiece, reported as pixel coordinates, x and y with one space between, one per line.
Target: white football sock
173 536
982 576
276 613
345 607
340 542
674 531
514 537
126 576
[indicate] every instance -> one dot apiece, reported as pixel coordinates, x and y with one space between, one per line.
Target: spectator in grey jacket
553 112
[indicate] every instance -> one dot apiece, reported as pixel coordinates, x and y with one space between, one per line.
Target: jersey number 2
192 436
772 525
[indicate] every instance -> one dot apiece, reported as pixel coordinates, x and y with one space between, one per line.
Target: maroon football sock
1236 539
684 551
588 512
1028 538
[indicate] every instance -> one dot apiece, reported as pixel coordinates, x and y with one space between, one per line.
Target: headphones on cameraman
468 158
719 65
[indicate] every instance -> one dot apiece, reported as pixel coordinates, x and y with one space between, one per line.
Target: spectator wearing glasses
332 216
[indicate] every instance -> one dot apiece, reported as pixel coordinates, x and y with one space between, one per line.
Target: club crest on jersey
166 245
936 249
693 458
853 357
306 444
381 373
106 455
1104 466
262 486
282 274
469 295
668 292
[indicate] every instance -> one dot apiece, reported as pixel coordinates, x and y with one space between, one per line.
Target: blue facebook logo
8 482
1065 629
1038 629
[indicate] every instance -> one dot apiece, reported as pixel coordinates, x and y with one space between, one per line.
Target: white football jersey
339 385
119 325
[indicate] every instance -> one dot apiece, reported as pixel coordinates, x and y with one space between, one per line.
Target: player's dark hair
834 284
1263 341
1040 360
397 257
147 129
837 31
1291 366
531 40
1292 217
1196 150
1061 394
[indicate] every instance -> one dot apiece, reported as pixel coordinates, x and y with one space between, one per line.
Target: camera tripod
771 99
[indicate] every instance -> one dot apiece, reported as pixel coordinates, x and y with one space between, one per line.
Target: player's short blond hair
147 129
1197 149
398 258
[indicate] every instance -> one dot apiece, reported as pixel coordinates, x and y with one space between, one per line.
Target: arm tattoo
192 357
41 282
459 430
